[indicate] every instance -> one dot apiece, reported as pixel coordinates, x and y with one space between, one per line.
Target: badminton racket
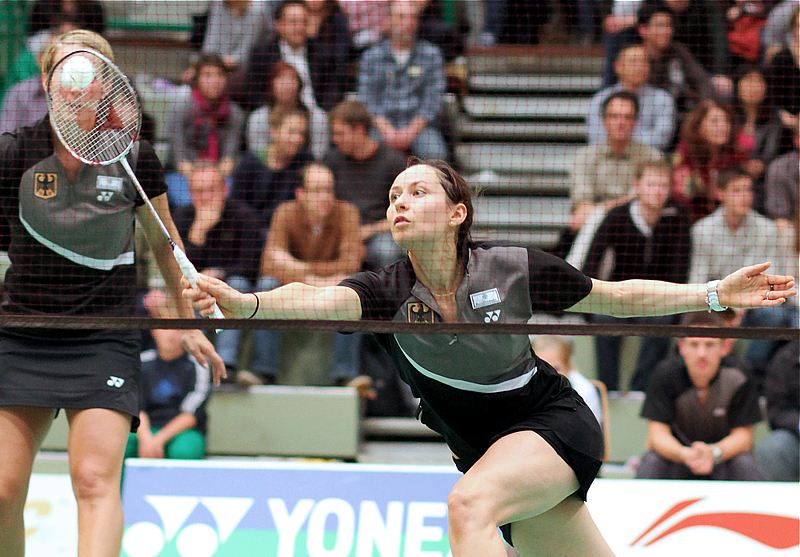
96 114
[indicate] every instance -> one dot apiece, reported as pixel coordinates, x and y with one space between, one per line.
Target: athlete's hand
198 345
751 287
233 303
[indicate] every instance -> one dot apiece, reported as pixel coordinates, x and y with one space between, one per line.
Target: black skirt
56 369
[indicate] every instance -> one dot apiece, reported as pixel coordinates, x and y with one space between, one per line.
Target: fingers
218 370
754 270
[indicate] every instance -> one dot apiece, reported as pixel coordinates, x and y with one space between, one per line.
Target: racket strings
100 121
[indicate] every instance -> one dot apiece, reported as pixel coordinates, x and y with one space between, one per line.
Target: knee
91 481
13 488
468 508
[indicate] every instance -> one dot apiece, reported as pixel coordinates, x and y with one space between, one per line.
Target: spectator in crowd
735 235
783 83
368 21
655 123
700 416
315 240
323 79
263 180
557 351
778 455
205 126
777 33
672 66
646 238
696 25
708 144
619 28
364 169
745 19
87 14
284 89
233 27
781 188
174 391
221 237
327 28
754 122
602 173
401 81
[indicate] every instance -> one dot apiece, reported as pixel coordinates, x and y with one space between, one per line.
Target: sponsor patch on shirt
110 183
45 185
484 298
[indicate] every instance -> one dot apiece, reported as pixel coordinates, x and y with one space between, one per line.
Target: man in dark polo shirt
701 416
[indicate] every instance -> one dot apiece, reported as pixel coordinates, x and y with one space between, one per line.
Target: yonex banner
227 509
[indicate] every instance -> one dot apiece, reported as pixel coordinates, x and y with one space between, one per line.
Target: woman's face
291 135
752 88
211 82
286 88
419 211
715 128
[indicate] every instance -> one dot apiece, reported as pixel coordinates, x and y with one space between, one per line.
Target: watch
716 454
712 296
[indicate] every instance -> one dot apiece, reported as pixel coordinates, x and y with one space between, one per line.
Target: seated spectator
708 145
364 170
327 28
745 19
754 121
284 90
655 122
646 238
368 21
314 240
206 126
323 78
557 351
263 180
87 14
174 391
233 27
777 34
735 236
701 415
221 237
695 24
672 66
778 455
783 84
619 28
402 83
782 187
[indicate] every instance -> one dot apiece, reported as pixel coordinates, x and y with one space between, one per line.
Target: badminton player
528 445
71 251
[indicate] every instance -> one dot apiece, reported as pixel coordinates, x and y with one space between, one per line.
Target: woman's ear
458 214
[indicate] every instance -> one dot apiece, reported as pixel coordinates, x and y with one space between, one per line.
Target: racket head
93 107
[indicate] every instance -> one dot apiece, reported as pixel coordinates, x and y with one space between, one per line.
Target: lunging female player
528 445
71 251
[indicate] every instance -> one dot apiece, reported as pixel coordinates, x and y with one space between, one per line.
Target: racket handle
190 273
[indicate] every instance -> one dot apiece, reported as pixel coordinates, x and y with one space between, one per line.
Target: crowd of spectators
296 115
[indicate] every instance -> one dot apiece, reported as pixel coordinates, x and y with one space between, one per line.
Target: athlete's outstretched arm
292 301
746 288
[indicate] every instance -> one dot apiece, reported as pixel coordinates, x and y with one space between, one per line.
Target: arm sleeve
197 397
434 87
370 287
553 283
149 172
659 404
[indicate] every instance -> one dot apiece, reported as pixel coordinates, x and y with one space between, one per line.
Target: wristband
712 296
258 303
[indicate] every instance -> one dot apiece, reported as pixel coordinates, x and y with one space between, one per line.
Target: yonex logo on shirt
105 195
115 381
492 316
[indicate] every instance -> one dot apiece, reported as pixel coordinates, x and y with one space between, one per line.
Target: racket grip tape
190 273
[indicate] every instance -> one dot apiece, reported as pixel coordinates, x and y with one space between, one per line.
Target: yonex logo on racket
115 381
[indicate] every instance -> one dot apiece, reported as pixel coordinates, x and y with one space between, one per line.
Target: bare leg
22 430
97 439
519 477
566 530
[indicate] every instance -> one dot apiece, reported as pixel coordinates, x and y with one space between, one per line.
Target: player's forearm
634 298
301 301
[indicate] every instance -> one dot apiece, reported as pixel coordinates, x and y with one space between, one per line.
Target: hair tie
258 303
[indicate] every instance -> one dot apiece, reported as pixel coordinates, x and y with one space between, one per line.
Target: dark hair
699 153
662 165
278 68
729 174
285 4
703 319
457 190
764 109
308 167
352 113
208 59
625 96
650 9
281 113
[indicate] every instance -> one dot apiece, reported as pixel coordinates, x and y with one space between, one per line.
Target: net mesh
634 139
93 107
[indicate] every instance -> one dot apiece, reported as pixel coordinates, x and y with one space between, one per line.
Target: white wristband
712 296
